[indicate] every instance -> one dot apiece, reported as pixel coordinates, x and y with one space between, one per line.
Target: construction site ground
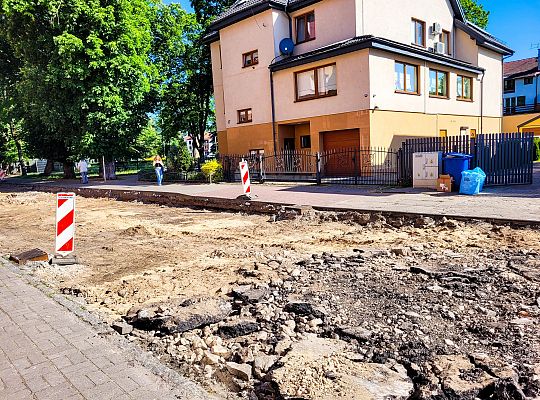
414 296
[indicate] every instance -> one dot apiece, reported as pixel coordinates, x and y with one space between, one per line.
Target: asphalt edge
247 206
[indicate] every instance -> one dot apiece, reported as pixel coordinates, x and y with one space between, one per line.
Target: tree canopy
475 13
86 77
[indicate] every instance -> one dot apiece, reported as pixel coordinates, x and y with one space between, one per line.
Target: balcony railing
527 108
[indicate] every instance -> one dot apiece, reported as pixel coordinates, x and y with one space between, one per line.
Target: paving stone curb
171 199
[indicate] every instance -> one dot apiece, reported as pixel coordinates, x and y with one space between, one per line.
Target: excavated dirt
450 309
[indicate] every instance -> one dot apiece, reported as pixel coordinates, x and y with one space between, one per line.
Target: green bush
179 157
213 170
537 149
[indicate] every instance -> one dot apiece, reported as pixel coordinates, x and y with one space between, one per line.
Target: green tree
187 105
475 13
87 78
149 143
179 158
10 119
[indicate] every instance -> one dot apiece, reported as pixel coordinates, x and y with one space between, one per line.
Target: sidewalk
511 202
46 352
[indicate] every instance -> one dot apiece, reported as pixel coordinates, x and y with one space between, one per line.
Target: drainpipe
537 76
482 102
273 108
272 95
289 17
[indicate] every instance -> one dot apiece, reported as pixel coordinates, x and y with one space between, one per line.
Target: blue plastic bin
454 164
472 182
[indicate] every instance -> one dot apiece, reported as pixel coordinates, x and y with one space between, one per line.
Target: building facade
521 98
363 73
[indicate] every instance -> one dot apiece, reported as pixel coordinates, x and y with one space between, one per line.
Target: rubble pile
408 322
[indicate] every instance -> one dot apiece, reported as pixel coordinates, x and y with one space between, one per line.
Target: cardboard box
444 183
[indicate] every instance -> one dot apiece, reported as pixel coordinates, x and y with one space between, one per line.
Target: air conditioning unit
436 28
439 48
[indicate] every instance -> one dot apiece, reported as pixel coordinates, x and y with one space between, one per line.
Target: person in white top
82 166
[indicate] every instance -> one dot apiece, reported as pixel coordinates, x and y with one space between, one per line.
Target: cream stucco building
362 73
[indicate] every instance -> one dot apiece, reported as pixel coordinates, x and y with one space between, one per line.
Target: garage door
339 147
346 139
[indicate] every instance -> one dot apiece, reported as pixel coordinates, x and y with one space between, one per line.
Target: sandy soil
132 253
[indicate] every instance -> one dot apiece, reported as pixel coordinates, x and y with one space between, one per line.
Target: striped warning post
244 173
65 223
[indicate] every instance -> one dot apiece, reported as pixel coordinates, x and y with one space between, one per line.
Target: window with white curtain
305 27
326 80
316 82
305 84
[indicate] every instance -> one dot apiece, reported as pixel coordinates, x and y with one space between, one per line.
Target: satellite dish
286 46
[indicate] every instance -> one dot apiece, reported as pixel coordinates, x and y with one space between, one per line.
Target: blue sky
515 22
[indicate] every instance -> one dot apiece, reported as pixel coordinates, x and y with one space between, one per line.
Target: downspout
289 17
363 20
273 108
272 96
482 103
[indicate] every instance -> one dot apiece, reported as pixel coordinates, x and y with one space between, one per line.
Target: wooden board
30 255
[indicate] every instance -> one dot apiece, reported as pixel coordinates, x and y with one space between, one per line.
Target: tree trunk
110 170
49 168
69 170
24 172
19 149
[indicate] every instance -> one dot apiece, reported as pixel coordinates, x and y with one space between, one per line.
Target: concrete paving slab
31 368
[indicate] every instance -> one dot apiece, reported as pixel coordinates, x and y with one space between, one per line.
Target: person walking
158 167
82 166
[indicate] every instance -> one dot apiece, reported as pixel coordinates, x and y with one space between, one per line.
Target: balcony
527 108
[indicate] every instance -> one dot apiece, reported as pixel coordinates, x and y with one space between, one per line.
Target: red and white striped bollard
65 223
244 174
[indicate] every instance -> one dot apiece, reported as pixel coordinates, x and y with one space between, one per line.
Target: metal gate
506 158
360 166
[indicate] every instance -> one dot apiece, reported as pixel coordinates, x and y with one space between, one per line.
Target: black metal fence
360 166
355 166
506 158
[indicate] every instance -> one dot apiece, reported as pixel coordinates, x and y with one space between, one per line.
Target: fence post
261 171
473 152
318 168
355 161
399 160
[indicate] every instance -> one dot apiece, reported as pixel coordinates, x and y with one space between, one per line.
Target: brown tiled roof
525 67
